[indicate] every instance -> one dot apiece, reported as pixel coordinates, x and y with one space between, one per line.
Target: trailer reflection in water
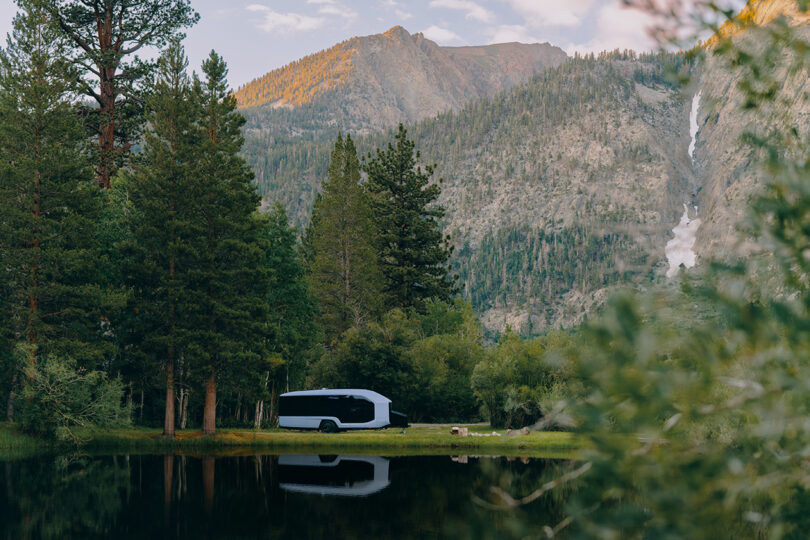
341 476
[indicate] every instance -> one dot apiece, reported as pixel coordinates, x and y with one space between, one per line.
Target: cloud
507 33
545 13
284 22
321 1
618 27
398 11
336 9
474 11
442 36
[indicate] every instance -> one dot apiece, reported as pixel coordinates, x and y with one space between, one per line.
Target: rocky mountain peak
397 32
393 77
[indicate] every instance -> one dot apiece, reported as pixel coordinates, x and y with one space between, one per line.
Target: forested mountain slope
562 188
555 189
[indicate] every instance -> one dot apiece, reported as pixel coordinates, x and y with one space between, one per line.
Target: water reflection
344 476
269 496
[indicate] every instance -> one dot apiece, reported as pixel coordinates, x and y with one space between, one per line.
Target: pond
273 496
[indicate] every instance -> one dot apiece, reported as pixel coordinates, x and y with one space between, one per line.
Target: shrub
58 398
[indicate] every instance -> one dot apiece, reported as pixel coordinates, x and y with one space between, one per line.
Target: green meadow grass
16 445
423 440
394 441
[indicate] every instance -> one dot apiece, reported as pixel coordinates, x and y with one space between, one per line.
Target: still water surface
272 496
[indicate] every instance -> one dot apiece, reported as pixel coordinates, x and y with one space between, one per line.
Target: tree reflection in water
222 497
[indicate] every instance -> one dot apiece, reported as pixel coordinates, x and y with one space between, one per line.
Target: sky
257 36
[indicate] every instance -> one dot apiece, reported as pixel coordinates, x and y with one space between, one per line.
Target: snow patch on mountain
679 250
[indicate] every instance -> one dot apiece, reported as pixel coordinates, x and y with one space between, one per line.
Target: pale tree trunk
210 410
183 408
183 395
257 416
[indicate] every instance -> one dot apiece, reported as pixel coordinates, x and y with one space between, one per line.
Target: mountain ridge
392 77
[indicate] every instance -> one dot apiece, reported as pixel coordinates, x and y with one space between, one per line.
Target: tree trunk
273 395
183 395
210 411
208 482
141 413
107 92
183 408
10 406
168 420
257 416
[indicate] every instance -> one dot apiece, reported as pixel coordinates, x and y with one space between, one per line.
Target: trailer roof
370 395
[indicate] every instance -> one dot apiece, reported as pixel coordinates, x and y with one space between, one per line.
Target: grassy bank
415 440
16 445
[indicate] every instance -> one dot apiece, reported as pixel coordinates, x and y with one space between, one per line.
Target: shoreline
422 440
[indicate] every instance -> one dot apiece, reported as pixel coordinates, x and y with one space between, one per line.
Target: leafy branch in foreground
700 430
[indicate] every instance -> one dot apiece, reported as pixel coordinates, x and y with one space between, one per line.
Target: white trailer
331 410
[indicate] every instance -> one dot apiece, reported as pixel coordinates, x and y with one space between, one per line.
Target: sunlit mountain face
563 178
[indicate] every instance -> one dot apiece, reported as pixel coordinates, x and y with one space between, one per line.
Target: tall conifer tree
229 278
47 201
413 255
159 262
344 272
103 37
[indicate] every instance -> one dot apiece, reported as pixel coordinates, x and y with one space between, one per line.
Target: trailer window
348 409
356 410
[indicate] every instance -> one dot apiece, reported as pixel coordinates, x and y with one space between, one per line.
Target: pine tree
48 204
229 278
158 260
344 273
103 37
413 254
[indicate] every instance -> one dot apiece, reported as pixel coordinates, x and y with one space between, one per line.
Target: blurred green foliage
699 428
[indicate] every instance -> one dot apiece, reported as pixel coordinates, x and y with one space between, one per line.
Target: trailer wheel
328 426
